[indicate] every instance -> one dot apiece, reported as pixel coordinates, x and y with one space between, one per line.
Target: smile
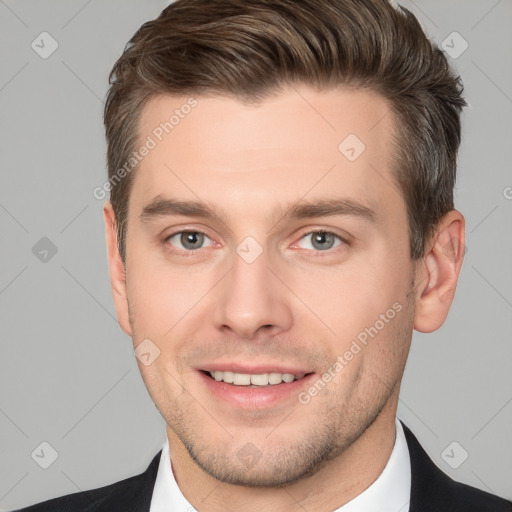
255 388
254 380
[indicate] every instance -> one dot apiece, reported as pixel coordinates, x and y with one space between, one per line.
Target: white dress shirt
389 493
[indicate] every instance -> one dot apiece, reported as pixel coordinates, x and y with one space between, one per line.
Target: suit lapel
135 495
431 489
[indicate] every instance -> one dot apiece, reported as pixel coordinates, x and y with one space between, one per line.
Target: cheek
365 306
350 298
161 294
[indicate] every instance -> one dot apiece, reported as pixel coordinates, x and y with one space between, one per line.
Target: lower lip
255 397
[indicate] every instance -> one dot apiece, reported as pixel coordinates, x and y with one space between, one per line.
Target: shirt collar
389 493
392 489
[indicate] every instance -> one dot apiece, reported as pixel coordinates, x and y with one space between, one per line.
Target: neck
336 483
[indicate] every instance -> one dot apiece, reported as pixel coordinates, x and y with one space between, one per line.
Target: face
268 264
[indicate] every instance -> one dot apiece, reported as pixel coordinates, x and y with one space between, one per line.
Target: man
281 219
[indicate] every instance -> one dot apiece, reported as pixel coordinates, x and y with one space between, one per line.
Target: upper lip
254 369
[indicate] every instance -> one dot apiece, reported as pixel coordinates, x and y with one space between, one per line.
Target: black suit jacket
431 491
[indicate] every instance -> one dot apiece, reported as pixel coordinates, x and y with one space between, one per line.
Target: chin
277 464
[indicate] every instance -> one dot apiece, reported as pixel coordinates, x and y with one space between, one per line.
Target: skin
297 303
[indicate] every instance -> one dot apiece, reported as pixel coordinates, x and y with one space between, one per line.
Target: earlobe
438 273
117 270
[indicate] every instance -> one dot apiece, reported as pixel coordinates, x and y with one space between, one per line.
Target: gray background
68 374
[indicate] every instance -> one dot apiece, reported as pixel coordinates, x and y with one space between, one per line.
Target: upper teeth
262 379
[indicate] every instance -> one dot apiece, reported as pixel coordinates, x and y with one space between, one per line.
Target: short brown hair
252 48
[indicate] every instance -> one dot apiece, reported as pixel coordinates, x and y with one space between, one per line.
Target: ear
117 270
438 271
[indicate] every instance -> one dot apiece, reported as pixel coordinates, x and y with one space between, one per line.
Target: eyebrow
161 207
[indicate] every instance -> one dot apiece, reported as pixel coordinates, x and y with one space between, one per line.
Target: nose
251 301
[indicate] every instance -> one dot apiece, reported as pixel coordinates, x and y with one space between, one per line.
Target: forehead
299 141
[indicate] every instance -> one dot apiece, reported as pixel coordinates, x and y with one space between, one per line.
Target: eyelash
318 253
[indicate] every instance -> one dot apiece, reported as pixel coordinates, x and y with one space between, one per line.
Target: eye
189 240
320 241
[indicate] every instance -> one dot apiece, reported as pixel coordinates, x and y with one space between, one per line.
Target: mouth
255 388
254 380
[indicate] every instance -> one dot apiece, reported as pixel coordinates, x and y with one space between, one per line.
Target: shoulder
471 499
433 490
133 493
